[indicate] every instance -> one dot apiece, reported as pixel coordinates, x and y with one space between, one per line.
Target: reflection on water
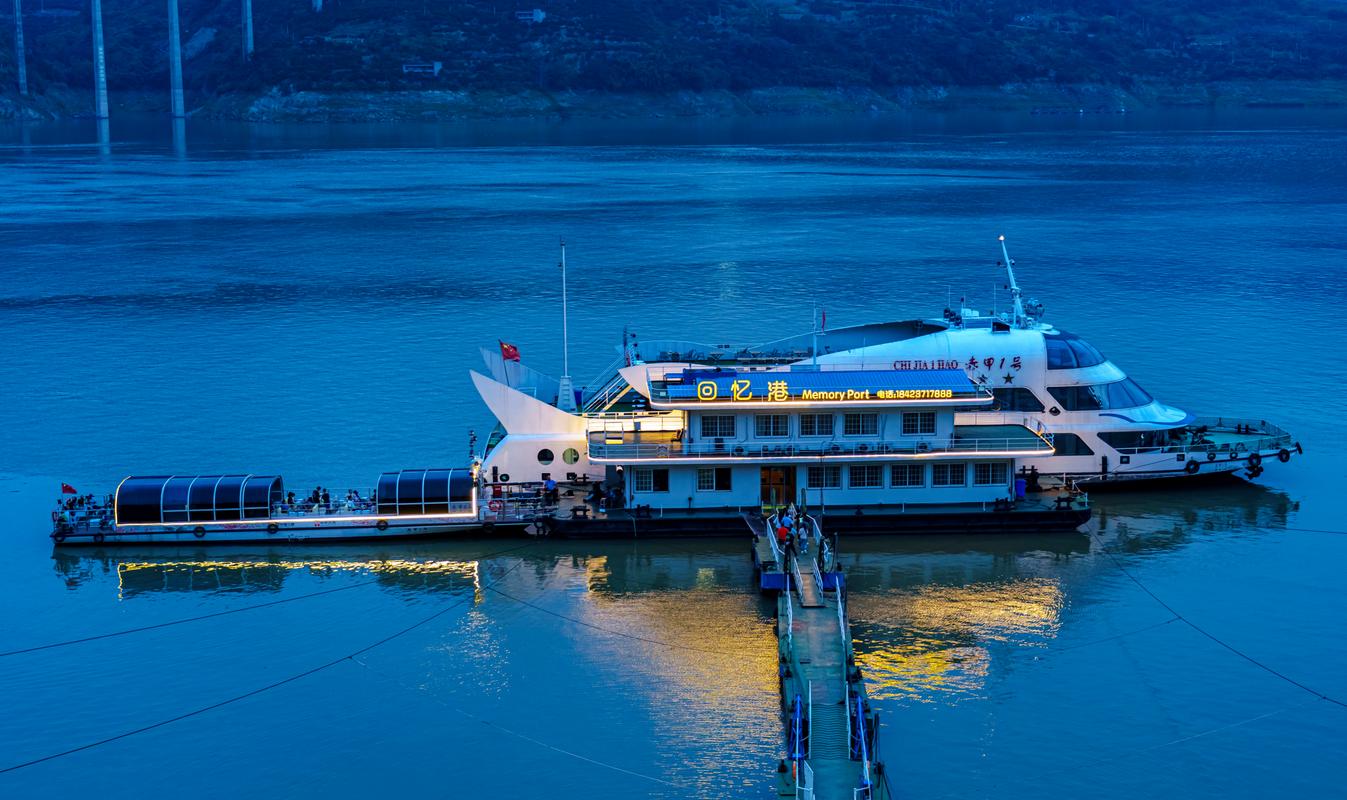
928 612
929 644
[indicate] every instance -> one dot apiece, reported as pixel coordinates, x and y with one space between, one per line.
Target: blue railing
797 734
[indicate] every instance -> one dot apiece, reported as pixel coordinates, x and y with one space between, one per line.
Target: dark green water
309 300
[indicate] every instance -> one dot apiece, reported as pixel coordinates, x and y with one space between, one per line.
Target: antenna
1017 313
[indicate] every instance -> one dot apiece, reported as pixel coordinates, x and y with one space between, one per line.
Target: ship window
545 456
713 479
991 474
865 476
948 474
1017 399
651 480
716 426
570 455
768 426
816 424
824 477
1066 351
909 475
1132 441
1119 394
1069 444
916 423
860 424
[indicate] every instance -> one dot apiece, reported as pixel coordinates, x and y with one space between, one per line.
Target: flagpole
565 392
565 334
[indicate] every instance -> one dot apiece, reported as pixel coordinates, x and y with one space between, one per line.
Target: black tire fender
272 527
1255 459
1211 455
199 532
1284 456
382 524
1192 467
98 538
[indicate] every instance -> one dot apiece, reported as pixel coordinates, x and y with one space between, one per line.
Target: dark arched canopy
424 491
149 500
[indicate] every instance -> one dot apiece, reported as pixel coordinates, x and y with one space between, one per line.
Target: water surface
308 301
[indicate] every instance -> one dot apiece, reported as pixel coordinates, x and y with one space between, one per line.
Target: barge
244 508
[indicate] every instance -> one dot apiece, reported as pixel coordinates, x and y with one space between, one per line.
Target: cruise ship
1085 422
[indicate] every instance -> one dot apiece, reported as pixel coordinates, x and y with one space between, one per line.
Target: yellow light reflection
929 644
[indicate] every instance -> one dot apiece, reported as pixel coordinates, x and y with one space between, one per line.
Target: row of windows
859 476
871 476
709 479
1119 394
772 426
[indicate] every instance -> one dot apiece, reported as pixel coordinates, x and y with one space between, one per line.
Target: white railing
668 448
790 614
799 581
804 781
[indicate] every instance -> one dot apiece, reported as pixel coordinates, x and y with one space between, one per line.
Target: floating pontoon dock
831 733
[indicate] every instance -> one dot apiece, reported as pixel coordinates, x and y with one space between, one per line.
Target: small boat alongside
242 508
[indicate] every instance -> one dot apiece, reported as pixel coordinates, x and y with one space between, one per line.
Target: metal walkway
830 731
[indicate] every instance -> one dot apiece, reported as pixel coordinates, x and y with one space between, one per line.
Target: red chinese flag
509 352
68 489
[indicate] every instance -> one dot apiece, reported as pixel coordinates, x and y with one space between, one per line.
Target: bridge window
865 476
713 479
909 475
991 474
1066 351
816 424
824 477
1119 394
718 426
860 425
917 423
949 474
770 426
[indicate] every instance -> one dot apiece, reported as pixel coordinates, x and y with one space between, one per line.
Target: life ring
273 527
738 451
199 532
1211 455
1255 459
661 451
382 524
1284 455
495 506
98 538
1192 467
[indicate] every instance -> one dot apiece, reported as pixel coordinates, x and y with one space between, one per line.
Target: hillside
868 51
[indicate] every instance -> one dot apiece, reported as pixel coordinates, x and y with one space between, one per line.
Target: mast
565 394
1017 313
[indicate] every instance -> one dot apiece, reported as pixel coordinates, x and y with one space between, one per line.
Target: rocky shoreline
278 105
